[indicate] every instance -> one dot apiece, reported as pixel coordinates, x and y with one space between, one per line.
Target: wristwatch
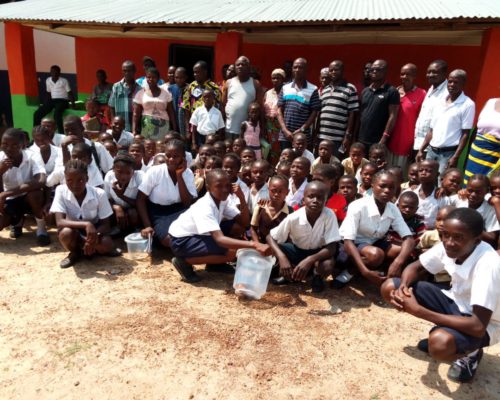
302 129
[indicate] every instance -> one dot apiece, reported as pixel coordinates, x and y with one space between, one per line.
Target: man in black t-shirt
379 107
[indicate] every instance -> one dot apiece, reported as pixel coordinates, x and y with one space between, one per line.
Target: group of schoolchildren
318 216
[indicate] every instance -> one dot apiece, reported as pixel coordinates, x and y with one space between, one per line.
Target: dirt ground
120 329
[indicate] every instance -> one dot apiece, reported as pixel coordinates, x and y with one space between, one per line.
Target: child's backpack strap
96 157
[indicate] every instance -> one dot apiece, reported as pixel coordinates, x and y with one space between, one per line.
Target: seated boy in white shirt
467 316
299 145
22 176
121 137
55 138
206 120
199 236
306 240
364 231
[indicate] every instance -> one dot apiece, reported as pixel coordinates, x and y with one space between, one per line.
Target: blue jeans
441 158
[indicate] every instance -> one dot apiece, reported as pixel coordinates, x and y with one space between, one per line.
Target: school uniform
262 220
298 239
30 166
428 207
51 162
475 282
58 139
125 140
207 122
318 161
57 177
95 206
105 159
164 205
130 191
295 199
485 209
246 193
310 156
261 194
190 233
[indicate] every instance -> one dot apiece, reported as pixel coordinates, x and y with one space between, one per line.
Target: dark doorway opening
182 55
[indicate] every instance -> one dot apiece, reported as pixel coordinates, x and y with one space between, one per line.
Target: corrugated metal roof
227 12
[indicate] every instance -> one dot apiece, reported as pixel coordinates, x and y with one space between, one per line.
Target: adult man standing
238 93
451 123
123 93
58 96
436 75
298 106
339 108
379 107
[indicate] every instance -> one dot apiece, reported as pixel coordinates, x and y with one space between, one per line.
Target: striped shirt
297 105
121 99
336 104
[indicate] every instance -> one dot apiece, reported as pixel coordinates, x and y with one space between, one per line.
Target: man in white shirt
467 316
452 120
58 96
436 75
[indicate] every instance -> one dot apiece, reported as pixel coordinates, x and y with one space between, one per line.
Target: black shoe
114 253
185 270
224 268
69 261
317 284
15 231
464 369
342 279
43 239
280 281
423 345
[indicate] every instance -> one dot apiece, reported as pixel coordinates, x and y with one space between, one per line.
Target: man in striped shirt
339 108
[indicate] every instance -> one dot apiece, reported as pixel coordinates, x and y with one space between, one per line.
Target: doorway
183 55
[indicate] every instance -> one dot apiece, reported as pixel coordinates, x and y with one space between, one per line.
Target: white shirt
105 159
95 206
159 187
130 191
486 210
58 89
425 116
57 139
448 121
364 224
262 194
428 207
57 177
310 156
235 200
294 199
207 121
203 217
31 165
474 282
51 162
126 138
297 228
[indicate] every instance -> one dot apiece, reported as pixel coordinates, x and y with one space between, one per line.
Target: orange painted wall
489 82
109 53
267 57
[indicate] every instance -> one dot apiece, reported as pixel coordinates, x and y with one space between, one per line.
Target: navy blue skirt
162 217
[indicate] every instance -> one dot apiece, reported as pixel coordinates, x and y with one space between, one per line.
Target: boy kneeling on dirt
199 237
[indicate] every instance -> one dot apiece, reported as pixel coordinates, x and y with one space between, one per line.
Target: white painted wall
3 56
54 49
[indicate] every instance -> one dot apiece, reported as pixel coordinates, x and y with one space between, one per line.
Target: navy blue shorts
162 217
295 254
343 257
16 208
199 245
430 296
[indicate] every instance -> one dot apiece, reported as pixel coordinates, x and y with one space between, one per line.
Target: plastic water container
137 246
252 273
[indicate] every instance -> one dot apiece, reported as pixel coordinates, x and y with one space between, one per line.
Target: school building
82 37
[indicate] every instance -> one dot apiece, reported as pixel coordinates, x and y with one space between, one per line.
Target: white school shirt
424 119
310 156
486 210
126 138
51 162
364 224
203 217
31 165
95 206
294 199
130 191
429 207
448 121
207 121
159 187
474 282
235 200
105 159
297 228
57 139
262 194
57 177
58 89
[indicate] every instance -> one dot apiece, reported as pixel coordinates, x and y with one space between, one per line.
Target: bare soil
121 329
